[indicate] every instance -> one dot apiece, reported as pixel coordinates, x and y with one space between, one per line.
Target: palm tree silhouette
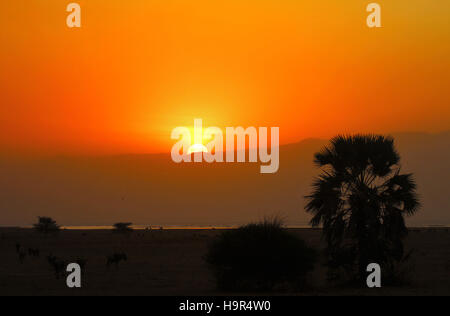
361 199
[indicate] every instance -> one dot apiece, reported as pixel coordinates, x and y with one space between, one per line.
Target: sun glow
197 148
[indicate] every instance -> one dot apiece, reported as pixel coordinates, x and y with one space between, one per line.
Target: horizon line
119 154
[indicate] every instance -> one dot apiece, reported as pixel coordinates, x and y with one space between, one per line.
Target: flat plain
171 262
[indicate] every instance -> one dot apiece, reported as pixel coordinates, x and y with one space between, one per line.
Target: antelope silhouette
34 252
22 256
58 265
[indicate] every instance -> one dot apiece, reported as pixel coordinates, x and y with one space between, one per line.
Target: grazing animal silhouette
22 256
58 265
116 258
82 263
34 252
51 259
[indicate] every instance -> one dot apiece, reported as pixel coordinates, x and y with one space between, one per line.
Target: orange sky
136 69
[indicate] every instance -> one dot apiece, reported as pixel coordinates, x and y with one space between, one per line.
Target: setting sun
117 87
197 148
204 149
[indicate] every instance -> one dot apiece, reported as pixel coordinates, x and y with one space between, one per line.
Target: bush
46 225
122 228
258 257
343 270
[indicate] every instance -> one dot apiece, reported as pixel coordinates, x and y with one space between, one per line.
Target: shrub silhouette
258 257
361 199
122 228
46 225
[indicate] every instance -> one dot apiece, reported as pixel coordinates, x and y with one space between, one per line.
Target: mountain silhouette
152 190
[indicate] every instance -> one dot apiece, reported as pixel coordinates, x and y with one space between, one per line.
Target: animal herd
22 253
59 265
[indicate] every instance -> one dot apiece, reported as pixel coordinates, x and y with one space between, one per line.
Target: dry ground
170 262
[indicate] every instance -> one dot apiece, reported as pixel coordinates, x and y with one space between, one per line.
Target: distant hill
152 190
